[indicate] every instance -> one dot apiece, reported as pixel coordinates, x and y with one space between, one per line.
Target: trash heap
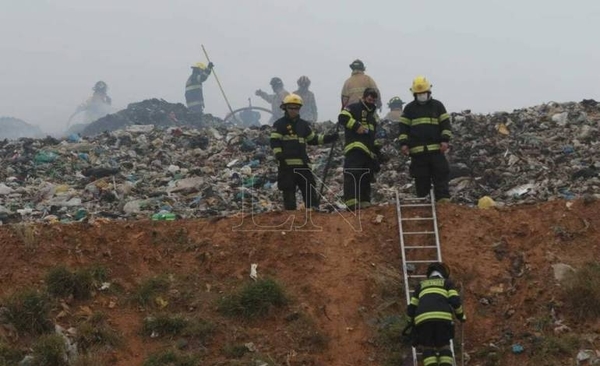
14 128
157 112
168 171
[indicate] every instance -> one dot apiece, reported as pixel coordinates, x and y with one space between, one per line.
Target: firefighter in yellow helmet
193 87
275 99
355 85
424 135
309 109
432 306
289 137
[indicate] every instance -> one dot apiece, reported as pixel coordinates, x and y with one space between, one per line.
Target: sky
492 55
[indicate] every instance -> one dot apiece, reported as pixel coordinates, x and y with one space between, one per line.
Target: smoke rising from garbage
484 57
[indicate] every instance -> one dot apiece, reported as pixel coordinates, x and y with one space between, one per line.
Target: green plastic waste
164 217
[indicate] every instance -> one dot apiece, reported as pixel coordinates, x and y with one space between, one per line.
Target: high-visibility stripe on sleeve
406 121
447 133
444 116
275 135
277 150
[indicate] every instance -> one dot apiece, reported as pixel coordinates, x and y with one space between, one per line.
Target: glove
281 160
211 65
331 138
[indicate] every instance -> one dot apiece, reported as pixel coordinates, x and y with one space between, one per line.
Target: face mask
422 97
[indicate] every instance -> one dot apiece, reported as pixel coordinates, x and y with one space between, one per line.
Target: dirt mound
340 275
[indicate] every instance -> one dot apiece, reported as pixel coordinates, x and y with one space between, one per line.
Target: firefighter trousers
428 168
290 179
358 172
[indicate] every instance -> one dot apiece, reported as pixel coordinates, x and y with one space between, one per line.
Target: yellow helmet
420 85
292 99
199 65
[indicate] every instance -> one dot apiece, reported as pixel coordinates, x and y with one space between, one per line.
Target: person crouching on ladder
430 310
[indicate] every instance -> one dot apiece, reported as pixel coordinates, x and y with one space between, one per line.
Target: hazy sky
486 55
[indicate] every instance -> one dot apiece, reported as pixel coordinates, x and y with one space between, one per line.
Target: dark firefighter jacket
289 139
193 88
424 126
352 117
434 299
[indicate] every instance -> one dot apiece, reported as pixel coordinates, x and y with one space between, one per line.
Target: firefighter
97 106
430 310
362 152
395 104
288 141
424 136
275 99
193 87
309 110
356 84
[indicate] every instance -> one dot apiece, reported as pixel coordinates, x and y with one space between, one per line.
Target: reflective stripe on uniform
358 145
275 135
447 133
418 149
433 315
403 137
444 116
452 293
432 360
310 137
321 139
277 150
414 301
193 87
191 104
405 121
446 360
294 161
425 121
351 122
433 290
351 202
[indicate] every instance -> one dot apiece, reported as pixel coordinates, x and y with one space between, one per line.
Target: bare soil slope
342 279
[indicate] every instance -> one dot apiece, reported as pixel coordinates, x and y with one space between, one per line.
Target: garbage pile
159 113
165 171
14 128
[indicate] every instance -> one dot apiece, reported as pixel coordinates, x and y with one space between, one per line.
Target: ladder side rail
402 249
435 225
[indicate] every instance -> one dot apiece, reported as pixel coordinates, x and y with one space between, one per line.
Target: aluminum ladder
419 245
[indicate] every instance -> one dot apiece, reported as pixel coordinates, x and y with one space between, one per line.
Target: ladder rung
418 232
417 276
417 205
423 261
421 247
418 219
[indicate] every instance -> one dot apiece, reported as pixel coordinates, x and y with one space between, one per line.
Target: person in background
309 110
194 97
275 99
356 84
